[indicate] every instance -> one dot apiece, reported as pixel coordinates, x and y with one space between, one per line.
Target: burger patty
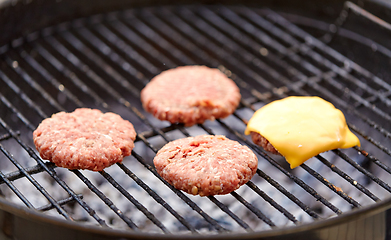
190 95
206 165
261 141
84 139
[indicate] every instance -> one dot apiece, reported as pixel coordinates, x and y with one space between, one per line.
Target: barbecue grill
64 54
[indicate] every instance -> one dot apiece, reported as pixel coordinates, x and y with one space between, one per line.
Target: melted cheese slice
302 127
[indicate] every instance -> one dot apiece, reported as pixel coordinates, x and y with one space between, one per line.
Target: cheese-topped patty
302 127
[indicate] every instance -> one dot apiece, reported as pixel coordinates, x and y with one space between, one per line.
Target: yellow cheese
302 127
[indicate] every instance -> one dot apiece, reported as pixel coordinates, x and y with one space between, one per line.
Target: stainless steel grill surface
105 60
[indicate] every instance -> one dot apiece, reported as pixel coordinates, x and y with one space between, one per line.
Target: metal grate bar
334 188
161 43
138 54
353 95
113 33
270 200
136 203
292 197
223 26
53 174
5 136
22 95
255 210
150 133
30 170
252 23
48 77
376 126
348 65
38 186
365 87
99 61
60 202
15 189
268 41
155 196
374 159
26 77
14 110
106 200
69 74
348 178
129 52
165 32
225 209
363 170
240 43
85 68
129 36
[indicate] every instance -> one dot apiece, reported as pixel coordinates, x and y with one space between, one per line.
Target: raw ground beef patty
190 95
259 140
206 165
84 139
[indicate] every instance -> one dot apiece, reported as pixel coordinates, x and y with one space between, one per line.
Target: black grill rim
364 211
49 226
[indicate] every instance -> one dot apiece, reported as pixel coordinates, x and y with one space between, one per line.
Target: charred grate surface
104 61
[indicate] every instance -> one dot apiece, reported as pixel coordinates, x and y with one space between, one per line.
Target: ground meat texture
84 139
190 95
259 140
206 165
